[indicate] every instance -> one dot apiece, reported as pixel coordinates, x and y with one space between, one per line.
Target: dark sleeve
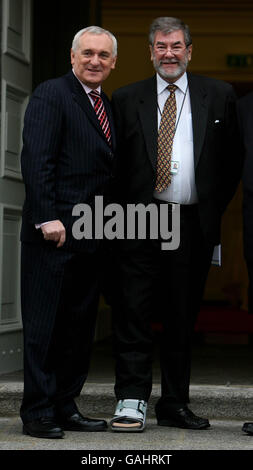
245 116
117 115
119 154
233 149
41 142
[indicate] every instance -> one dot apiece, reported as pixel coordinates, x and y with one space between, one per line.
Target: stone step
214 402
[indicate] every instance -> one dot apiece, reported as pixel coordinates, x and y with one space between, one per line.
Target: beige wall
218 28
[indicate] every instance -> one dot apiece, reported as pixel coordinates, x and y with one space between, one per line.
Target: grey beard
177 73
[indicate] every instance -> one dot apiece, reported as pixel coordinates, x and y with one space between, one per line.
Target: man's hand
54 231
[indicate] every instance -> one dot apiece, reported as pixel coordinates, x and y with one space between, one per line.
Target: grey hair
167 24
94 30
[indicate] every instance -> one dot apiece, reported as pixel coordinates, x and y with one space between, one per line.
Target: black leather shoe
77 422
248 428
180 418
43 427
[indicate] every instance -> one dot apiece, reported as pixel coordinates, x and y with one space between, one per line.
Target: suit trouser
59 295
248 244
166 286
250 285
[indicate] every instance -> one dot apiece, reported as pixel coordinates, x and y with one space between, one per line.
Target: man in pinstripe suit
67 158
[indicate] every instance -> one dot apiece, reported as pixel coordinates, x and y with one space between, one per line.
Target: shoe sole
44 436
250 433
173 424
127 428
122 429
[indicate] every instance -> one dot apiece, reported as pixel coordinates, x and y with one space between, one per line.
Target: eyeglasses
176 49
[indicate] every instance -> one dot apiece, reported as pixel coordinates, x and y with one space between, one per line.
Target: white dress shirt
88 89
182 189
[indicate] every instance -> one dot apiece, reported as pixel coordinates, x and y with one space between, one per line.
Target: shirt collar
85 87
181 83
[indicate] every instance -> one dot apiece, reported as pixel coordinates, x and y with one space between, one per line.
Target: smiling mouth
169 63
94 70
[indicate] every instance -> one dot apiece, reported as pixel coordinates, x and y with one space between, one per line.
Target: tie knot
94 94
172 88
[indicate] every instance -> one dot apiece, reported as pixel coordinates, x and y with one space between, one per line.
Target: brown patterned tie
101 114
165 141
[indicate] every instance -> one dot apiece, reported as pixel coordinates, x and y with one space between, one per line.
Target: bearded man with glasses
178 144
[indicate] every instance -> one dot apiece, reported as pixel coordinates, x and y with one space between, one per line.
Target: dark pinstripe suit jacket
65 159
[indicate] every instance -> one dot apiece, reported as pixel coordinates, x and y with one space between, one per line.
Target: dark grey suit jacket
217 153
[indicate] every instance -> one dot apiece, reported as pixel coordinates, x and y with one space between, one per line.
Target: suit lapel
148 116
82 99
110 117
198 97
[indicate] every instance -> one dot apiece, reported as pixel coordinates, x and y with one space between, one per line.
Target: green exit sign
240 60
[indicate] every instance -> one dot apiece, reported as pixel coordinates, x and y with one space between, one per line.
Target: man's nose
169 52
95 59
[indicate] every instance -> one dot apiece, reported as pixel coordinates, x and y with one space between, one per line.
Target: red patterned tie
165 141
101 114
